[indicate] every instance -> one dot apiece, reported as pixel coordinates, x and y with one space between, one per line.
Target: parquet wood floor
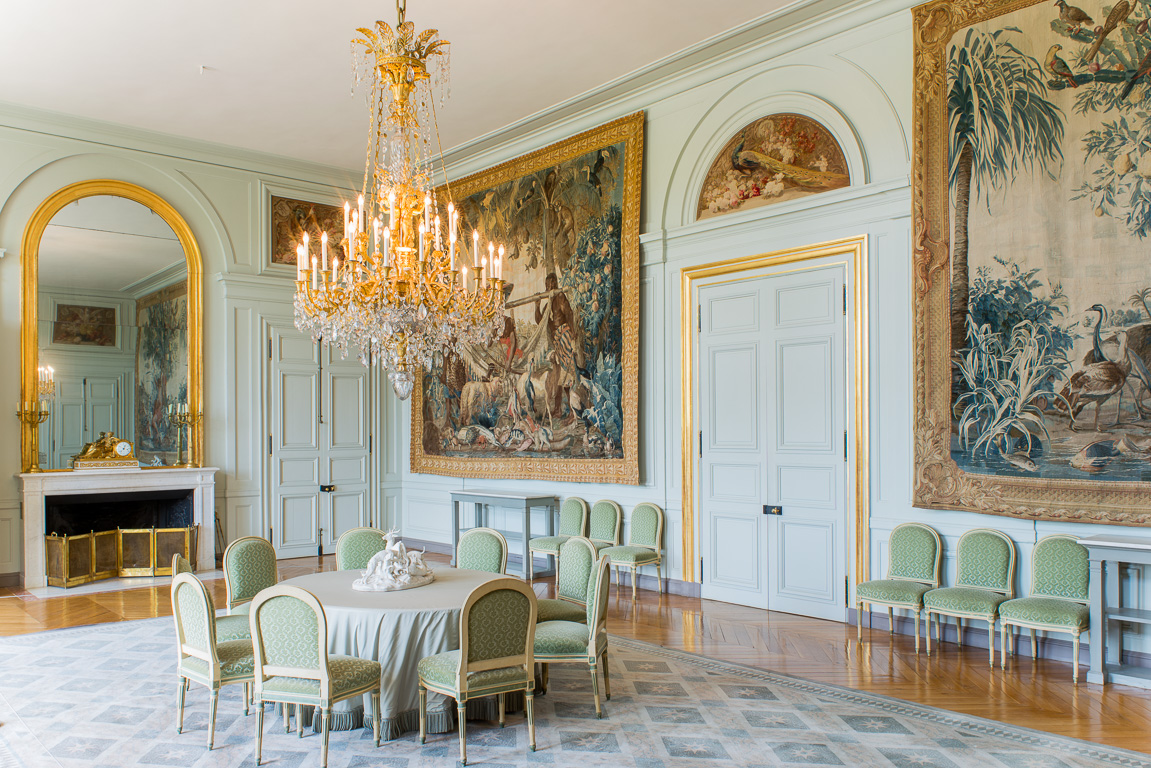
1035 695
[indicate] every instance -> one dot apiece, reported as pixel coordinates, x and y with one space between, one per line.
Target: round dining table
396 629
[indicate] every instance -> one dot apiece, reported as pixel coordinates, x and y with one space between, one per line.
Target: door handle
772 509
327 488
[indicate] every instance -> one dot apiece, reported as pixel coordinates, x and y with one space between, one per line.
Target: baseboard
1053 646
10 579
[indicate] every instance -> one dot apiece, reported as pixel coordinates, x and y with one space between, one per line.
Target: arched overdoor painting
775 158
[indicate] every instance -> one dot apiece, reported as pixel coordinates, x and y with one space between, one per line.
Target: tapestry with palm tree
554 396
1032 207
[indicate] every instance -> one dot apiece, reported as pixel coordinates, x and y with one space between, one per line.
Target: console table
524 502
1107 554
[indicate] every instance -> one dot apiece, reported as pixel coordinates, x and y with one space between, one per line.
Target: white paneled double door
319 445
771 415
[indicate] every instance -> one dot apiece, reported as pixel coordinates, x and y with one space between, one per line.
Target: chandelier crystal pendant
403 296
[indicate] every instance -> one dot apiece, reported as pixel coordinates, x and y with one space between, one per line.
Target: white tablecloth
396 629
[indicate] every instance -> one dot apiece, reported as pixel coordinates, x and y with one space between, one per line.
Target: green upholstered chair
201 659
573 522
293 666
560 642
355 548
249 566
644 545
1058 599
497 629
577 558
482 549
604 528
227 627
984 578
914 555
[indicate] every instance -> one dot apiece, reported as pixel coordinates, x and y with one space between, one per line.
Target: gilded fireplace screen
73 560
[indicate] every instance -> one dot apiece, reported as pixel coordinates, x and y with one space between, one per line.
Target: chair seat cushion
561 638
441 669
1049 611
602 545
552 609
548 543
966 600
233 628
630 555
236 660
347 673
892 591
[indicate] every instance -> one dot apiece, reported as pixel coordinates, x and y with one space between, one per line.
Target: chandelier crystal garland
401 296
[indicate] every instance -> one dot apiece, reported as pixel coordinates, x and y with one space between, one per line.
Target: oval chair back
573 517
985 559
194 613
497 628
577 558
915 554
356 547
180 565
597 603
646 527
1059 569
289 636
482 549
249 567
606 517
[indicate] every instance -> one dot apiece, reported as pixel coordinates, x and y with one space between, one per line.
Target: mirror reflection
113 326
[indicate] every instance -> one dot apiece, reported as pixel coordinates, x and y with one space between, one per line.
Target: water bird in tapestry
1041 344
775 158
555 394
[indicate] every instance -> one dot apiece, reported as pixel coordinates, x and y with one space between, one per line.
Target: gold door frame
855 251
29 296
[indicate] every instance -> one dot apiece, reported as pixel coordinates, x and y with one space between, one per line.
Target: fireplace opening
71 515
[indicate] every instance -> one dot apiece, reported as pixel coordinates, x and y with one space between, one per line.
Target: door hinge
369 443
846 598
269 349
269 445
699 317
845 301
269 533
701 443
845 445
701 567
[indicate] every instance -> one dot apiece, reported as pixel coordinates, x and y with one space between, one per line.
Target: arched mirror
111 328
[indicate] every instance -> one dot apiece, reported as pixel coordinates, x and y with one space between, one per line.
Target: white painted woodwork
36 486
319 436
771 414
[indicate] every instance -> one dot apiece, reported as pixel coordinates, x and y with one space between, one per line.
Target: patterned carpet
103 697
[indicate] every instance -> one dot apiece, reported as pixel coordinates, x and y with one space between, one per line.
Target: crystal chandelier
403 296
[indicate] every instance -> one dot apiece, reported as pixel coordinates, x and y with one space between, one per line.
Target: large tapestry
775 158
555 395
1032 210
161 370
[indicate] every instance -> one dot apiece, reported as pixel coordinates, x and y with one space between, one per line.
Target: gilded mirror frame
29 295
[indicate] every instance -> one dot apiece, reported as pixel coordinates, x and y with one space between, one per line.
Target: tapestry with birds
1033 294
292 218
554 395
775 158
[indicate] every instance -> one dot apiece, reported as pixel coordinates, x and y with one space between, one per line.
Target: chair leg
959 631
299 722
1075 658
461 715
288 717
247 697
917 631
634 579
544 675
659 576
259 731
529 704
423 715
325 725
500 699
376 717
891 620
180 689
928 633
1034 648
859 622
212 717
991 643
595 691
606 678
1003 646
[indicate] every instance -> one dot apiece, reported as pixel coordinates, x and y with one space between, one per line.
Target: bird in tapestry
1117 16
1139 73
1058 66
1073 16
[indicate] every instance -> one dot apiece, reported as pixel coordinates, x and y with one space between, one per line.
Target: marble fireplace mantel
35 486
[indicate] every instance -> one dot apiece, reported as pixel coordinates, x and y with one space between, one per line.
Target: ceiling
277 73
106 243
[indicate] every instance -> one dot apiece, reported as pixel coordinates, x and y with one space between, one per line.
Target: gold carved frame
29 294
939 482
853 252
624 470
